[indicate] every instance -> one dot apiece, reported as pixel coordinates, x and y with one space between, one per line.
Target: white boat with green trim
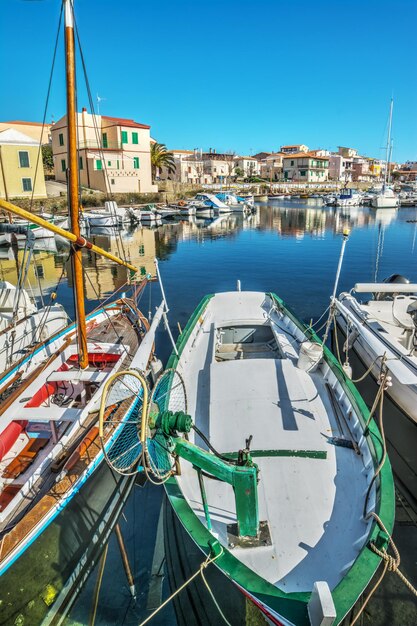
278 477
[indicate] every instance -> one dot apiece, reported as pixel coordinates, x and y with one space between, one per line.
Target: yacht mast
73 184
388 148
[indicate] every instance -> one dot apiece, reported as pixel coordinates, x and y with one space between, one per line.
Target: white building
305 167
340 168
271 167
299 147
248 165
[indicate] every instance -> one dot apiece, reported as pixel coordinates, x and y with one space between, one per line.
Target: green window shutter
136 163
24 159
61 139
124 136
80 163
135 138
117 164
143 271
105 142
27 184
109 163
63 165
142 250
99 165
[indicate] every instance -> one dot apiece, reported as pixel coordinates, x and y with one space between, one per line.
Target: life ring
181 203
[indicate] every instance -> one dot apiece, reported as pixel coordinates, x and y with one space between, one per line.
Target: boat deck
75 419
392 317
311 492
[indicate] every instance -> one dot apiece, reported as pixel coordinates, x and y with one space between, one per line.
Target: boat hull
42 583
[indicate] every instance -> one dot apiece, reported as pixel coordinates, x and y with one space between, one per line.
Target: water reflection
294 220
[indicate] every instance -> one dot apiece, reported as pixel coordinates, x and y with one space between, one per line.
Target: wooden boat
276 418
58 499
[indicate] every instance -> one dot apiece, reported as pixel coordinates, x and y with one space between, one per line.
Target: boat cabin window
246 342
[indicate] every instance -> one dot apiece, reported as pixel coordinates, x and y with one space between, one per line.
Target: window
142 250
27 184
143 271
109 163
61 139
40 272
302 173
99 165
112 181
105 142
124 136
117 164
136 163
80 163
63 165
135 138
292 163
24 159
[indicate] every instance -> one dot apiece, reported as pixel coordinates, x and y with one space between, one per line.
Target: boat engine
396 279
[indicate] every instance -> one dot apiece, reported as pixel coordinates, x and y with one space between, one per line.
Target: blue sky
230 75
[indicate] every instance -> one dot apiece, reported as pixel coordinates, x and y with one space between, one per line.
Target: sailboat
278 479
386 198
58 500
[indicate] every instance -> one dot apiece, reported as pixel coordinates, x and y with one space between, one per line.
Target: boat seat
76 375
8 493
400 313
25 457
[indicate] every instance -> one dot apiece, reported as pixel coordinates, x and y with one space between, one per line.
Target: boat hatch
247 341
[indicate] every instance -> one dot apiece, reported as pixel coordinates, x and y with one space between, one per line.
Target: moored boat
275 416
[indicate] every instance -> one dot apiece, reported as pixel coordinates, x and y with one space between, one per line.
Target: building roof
15 137
182 151
303 155
24 123
295 145
122 121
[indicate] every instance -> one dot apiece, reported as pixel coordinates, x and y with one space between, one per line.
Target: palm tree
160 157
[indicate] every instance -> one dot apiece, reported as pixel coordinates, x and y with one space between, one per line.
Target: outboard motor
396 279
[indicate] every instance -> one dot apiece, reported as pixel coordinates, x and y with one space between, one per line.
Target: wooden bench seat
25 458
8 493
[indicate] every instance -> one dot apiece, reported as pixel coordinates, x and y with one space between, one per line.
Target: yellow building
43 271
18 164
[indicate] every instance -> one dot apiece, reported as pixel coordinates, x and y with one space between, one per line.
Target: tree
239 172
160 157
47 158
229 157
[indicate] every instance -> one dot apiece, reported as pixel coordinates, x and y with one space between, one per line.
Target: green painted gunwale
293 606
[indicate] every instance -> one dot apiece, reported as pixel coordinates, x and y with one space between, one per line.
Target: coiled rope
391 564
199 572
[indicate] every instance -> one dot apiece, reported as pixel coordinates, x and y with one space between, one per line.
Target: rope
200 571
391 564
97 588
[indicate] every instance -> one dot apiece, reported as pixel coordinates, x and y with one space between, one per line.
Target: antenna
99 99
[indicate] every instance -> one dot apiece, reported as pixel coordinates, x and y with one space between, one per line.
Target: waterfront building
320 152
300 147
271 167
19 163
114 153
376 168
36 130
219 166
347 152
248 165
361 172
305 167
189 168
340 168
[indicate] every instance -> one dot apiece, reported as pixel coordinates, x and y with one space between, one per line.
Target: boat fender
347 370
310 356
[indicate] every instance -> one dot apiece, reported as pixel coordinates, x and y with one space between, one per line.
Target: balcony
93 144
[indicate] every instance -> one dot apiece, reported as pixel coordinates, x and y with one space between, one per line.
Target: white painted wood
385 288
321 609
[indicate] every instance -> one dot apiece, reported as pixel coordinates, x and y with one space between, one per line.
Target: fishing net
121 421
168 394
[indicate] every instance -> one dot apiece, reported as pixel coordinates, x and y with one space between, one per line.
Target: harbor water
291 248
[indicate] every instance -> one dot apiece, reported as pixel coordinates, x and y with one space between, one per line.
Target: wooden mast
73 185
